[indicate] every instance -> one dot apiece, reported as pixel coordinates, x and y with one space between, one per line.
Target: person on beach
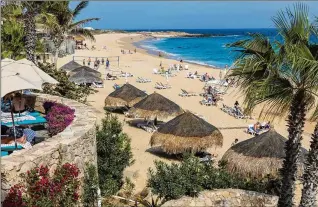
107 63
103 61
220 75
160 64
235 142
98 62
95 64
181 61
236 107
89 61
84 61
135 50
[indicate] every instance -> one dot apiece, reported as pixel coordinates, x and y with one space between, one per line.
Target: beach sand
142 64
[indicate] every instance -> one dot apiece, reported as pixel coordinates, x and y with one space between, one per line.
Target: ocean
211 51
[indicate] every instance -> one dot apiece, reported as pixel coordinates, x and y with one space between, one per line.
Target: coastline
129 44
141 64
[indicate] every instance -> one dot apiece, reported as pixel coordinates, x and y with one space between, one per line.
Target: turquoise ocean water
210 51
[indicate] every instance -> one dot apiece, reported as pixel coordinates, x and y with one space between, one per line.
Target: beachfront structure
84 76
186 133
155 106
87 69
125 96
70 66
259 156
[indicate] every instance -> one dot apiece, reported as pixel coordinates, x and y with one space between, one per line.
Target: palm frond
82 5
83 32
82 22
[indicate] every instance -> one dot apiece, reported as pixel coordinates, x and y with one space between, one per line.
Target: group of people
258 127
206 77
129 52
97 62
17 104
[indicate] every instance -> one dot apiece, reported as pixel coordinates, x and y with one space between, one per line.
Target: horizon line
187 29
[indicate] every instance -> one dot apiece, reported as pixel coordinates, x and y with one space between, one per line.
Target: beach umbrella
84 76
28 70
156 106
186 133
259 156
70 66
11 81
125 96
79 38
86 69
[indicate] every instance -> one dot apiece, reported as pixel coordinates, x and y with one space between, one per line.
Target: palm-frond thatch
83 76
156 106
87 69
127 95
259 156
70 66
186 133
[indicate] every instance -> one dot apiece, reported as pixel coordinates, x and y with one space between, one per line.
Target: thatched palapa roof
79 38
87 69
259 156
70 66
186 133
84 76
156 105
127 95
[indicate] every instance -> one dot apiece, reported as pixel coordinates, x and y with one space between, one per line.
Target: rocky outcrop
76 145
226 198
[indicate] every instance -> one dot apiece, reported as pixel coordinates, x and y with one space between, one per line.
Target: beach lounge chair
165 85
97 85
143 80
184 93
23 119
159 86
190 93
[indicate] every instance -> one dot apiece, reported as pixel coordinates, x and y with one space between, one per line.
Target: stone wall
76 144
226 198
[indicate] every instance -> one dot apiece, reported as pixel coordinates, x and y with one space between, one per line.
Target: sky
186 15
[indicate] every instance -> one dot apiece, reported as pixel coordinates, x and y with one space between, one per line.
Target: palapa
186 133
259 156
83 76
125 96
155 106
87 69
70 66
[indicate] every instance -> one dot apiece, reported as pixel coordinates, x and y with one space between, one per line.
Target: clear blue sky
186 15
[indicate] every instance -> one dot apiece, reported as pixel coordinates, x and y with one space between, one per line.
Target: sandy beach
141 64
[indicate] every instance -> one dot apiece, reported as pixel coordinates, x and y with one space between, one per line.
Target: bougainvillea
58 118
41 190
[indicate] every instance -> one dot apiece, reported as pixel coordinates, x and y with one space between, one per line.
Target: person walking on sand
135 50
220 75
107 63
103 61
84 61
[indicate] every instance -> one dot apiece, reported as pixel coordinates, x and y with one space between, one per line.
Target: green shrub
64 88
90 195
113 154
190 177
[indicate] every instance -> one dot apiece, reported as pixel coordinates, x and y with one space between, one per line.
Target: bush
90 195
41 190
64 88
190 177
58 117
113 154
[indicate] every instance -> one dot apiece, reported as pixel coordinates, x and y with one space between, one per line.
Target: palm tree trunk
57 45
296 120
310 184
30 38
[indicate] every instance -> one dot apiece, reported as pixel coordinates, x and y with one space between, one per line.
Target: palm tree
283 76
59 22
32 9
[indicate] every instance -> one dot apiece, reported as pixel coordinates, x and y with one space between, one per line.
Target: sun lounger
143 80
97 85
159 86
4 153
26 118
165 85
